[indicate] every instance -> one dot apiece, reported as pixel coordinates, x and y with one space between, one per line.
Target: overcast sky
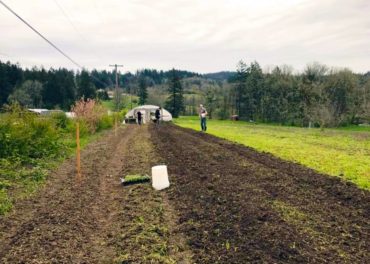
197 35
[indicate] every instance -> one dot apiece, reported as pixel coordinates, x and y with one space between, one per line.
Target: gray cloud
202 36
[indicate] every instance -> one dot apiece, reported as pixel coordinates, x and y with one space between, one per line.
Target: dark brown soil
239 206
98 220
226 204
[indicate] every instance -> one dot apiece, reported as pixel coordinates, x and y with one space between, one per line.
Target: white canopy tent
147 112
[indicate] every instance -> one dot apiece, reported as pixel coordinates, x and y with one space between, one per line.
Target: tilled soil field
96 220
226 204
239 206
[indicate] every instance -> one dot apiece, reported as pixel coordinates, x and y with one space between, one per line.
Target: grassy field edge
344 153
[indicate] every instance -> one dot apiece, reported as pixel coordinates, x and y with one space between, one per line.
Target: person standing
139 118
203 116
157 115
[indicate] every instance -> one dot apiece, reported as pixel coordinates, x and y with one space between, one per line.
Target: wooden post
78 152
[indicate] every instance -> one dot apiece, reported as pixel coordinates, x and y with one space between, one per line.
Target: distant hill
219 76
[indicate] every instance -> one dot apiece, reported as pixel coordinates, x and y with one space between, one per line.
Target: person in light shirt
203 117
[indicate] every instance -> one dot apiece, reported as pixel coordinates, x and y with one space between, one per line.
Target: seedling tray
134 179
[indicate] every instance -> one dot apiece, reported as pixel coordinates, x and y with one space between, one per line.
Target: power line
48 41
38 33
82 36
69 20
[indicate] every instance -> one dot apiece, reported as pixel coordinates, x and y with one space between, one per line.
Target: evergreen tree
85 87
143 92
51 92
67 86
240 88
60 89
175 101
10 76
254 92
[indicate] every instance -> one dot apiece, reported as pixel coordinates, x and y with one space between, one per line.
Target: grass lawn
127 101
337 152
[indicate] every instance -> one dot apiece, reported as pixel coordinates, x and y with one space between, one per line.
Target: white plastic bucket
160 177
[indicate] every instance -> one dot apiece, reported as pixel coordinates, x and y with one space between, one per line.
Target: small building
148 112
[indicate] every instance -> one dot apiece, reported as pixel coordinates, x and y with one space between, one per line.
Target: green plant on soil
136 178
146 232
307 225
5 203
338 152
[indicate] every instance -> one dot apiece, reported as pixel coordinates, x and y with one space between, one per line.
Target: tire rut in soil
239 206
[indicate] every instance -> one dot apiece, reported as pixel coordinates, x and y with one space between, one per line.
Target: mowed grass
127 102
338 152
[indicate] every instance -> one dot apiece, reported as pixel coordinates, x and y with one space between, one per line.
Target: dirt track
226 204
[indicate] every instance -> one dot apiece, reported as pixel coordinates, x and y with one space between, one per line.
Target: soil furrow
251 207
226 204
61 219
97 220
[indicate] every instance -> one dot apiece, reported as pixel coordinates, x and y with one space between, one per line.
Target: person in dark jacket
158 115
139 118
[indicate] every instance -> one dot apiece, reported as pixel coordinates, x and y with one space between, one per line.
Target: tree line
40 88
60 88
318 96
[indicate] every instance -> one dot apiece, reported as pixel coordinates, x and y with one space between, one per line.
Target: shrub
89 111
105 122
28 136
84 128
60 119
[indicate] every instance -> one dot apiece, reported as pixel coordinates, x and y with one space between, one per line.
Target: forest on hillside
317 96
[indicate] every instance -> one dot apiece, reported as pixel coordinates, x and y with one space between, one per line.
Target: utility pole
130 99
115 68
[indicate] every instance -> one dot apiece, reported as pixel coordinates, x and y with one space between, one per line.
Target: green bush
28 136
30 144
84 128
105 122
60 119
